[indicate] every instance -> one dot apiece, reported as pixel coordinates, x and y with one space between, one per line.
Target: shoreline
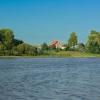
49 57
61 54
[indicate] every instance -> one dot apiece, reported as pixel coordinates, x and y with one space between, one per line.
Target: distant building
56 44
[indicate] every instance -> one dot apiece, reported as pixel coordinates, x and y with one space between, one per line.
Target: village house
56 44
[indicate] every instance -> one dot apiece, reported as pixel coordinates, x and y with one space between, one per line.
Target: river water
49 79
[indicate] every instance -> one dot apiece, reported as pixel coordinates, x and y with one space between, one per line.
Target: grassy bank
59 54
72 54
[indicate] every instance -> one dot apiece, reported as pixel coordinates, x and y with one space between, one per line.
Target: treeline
92 44
10 46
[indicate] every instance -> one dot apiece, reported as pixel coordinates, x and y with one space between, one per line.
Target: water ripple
50 79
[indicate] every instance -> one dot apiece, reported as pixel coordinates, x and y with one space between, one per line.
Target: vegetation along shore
10 46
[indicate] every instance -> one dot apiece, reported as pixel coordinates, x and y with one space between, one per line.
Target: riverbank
75 54
60 54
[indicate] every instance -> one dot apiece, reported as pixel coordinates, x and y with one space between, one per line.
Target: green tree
6 37
81 47
2 49
93 43
26 49
16 42
11 46
44 46
21 48
72 40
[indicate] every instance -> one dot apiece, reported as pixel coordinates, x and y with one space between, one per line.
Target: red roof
54 42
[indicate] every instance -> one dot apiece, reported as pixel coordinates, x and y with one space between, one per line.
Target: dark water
50 79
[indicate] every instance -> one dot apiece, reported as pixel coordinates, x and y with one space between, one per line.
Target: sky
38 21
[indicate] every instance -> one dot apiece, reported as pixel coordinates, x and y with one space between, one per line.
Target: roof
54 42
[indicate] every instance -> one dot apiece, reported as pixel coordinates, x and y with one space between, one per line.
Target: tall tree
93 43
44 46
72 40
7 38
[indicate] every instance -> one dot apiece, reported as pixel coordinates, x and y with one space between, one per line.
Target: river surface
49 78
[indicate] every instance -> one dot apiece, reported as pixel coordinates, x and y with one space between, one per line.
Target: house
56 44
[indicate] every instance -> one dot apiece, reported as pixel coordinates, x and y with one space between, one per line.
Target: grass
65 54
71 54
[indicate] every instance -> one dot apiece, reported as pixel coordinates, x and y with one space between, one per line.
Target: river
49 78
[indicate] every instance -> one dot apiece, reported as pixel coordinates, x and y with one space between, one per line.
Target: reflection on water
50 79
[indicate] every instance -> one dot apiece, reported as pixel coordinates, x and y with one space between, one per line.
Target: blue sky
38 21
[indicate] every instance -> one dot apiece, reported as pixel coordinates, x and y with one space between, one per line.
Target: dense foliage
93 44
72 40
10 46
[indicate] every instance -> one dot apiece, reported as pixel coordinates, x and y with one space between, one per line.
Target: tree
72 40
93 43
16 42
81 47
26 49
21 48
44 46
11 46
6 37
2 49
0 38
